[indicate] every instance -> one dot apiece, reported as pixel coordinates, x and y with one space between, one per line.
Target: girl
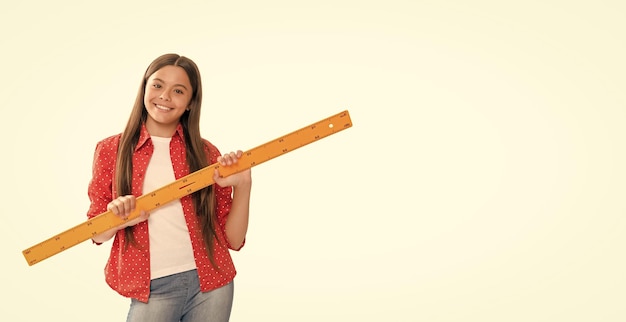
173 263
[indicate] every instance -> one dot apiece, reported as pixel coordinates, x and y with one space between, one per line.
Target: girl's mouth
162 108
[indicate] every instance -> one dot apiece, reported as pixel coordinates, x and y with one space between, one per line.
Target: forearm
237 222
101 238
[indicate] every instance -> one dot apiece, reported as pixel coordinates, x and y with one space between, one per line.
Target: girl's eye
156 86
178 91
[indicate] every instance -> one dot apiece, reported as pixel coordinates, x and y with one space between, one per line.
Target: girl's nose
164 96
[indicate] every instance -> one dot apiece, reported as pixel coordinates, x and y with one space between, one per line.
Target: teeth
161 107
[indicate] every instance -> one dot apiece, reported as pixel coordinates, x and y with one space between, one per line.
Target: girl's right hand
123 206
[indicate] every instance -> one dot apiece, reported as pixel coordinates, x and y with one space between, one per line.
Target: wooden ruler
187 185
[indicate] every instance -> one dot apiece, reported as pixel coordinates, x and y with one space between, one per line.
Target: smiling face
167 96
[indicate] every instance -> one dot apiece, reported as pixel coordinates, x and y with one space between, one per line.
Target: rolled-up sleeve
100 187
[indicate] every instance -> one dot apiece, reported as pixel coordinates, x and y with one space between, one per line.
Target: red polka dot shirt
128 269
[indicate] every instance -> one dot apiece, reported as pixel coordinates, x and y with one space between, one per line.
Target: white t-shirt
170 244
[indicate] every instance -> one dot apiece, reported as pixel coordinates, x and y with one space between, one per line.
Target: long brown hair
204 199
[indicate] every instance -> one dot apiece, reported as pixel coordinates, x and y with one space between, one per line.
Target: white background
483 178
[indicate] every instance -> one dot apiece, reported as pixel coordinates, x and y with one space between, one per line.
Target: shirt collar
144 136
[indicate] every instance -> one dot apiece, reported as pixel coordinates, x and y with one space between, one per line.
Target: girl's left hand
238 179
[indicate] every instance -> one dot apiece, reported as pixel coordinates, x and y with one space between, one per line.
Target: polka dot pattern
128 268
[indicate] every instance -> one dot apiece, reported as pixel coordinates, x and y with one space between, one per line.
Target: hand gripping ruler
187 185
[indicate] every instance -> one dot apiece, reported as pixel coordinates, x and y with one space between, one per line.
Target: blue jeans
178 298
